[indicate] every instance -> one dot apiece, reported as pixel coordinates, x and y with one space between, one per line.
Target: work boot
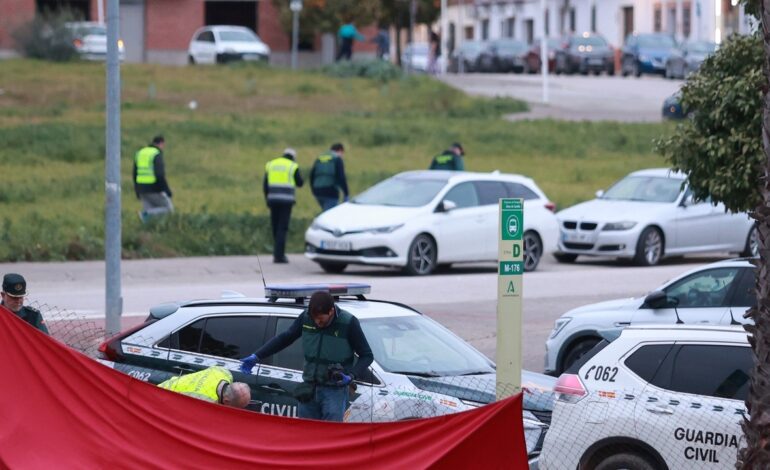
281 260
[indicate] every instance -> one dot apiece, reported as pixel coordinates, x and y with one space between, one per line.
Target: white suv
657 397
222 44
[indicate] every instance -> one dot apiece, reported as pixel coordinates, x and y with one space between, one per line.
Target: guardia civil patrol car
420 368
657 397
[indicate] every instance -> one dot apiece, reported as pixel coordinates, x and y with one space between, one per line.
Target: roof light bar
301 291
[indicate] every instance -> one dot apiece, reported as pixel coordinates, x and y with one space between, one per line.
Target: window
745 290
464 195
704 289
520 191
189 337
484 30
205 36
646 360
490 192
657 19
547 22
572 19
712 370
593 18
510 27
291 357
231 337
686 14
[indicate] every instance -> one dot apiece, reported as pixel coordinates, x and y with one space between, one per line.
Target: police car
657 397
420 368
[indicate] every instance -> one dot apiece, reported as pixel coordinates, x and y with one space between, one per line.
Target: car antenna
678 320
261 273
732 318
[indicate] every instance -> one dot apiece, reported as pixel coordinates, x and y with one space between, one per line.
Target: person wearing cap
14 291
150 183
450 159
327 178
282 177
214 385
331 340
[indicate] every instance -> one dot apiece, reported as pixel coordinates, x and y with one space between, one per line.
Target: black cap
158 139
458 146
337 147
14 285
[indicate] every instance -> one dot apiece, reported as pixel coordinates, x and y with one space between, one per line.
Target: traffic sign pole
510 257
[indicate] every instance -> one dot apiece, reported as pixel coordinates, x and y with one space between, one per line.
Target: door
132 29
204 49
489 193
459 232
695 225
733 228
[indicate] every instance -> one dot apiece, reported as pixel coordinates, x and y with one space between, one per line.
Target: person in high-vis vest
150 182
327 175
282 177
450 159
214 385
331 340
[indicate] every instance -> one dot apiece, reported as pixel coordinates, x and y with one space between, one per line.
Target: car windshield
401 192
472 46
89 30
702 47
656 41
511 46
645 189
590 41
418 49
237 36
417 345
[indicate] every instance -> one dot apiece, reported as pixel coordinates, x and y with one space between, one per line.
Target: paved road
576 98
462 299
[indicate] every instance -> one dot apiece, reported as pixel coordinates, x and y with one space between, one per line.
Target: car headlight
624 225
316 226
643 58
388 229
559 325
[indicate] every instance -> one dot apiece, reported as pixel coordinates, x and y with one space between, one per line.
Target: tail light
551 206
77 43
569 388
110 348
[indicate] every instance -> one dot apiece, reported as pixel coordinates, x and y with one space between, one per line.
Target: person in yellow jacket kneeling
214 385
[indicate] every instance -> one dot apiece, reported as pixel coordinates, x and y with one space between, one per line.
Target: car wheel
611 70
625 461
751 249
637 69
668 73
649 248
533 250
576 352
624 68
191 59
422 256
565 257
332 267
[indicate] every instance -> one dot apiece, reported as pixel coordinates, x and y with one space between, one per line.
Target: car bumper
652 67
359 248
551 357
621 243
225 57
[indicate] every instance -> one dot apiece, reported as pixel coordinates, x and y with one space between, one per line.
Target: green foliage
326 16
46 37
720 147
379 70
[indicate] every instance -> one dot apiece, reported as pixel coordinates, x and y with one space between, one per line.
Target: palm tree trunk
756 428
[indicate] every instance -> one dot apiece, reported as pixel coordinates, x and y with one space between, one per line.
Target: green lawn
52 152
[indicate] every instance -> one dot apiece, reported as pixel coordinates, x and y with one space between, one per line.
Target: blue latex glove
345 199
248 363
344 379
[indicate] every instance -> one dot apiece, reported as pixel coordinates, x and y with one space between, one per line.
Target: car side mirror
659 299
687 201
446 206
599 193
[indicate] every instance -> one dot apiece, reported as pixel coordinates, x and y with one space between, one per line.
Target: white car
718 293
648 215
222 44
419 220
416 56
657 397
90 40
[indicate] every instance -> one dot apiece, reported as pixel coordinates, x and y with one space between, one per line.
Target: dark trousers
280 214
346 49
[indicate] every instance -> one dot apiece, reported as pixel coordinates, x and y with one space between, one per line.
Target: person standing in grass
327 175
282 177
150 182
450 159
347 34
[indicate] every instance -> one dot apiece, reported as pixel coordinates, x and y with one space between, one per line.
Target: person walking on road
282 177
214 385
150 182
347 34
331 337
450 159
14 291
327 178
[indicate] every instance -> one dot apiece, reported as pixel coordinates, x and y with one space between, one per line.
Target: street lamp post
295 6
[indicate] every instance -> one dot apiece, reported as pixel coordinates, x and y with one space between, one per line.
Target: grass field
52 149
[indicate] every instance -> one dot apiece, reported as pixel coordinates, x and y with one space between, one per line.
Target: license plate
595 61
576 237
250 56
338 245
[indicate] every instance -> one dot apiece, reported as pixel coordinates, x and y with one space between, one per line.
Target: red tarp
60 409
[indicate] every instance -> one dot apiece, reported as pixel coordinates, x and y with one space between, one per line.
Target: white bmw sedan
648 215
420 220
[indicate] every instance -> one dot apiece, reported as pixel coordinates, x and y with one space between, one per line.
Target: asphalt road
463 299
575 97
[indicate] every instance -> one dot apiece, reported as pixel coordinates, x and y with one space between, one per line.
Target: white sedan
419 220
90 40
222 44
651 214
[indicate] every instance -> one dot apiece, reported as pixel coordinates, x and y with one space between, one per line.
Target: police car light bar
301 291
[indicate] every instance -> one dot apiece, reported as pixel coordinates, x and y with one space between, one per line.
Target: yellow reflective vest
202 385
145 161
280 180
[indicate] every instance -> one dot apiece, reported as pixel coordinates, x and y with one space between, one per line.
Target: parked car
90 40
503 55
657 397
718 293
420 368
532 60
466 54
222 44
673 108
646 53
649 215
420 220
415 56
687 59
584 53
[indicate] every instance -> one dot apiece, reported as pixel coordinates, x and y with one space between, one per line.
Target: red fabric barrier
61 409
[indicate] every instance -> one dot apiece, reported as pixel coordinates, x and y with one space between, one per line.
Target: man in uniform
14 291
328 174
214 385
150 182
450 159
282 177
330 338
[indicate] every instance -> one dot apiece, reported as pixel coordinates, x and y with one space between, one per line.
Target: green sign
512 221
511 268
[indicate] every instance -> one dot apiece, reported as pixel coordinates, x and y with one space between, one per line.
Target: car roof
685 332
226 27
659 172
456 176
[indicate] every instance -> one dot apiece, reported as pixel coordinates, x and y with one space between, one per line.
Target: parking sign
509 285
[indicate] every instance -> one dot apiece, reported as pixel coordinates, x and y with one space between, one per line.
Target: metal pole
294 38
112 229
444 36
461 36
544 51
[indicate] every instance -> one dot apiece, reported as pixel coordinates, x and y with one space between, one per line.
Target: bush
47 37
379 70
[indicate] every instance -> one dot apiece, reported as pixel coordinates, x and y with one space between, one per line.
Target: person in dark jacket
150 182
331 337
14 291
450 159
282 177
327 177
